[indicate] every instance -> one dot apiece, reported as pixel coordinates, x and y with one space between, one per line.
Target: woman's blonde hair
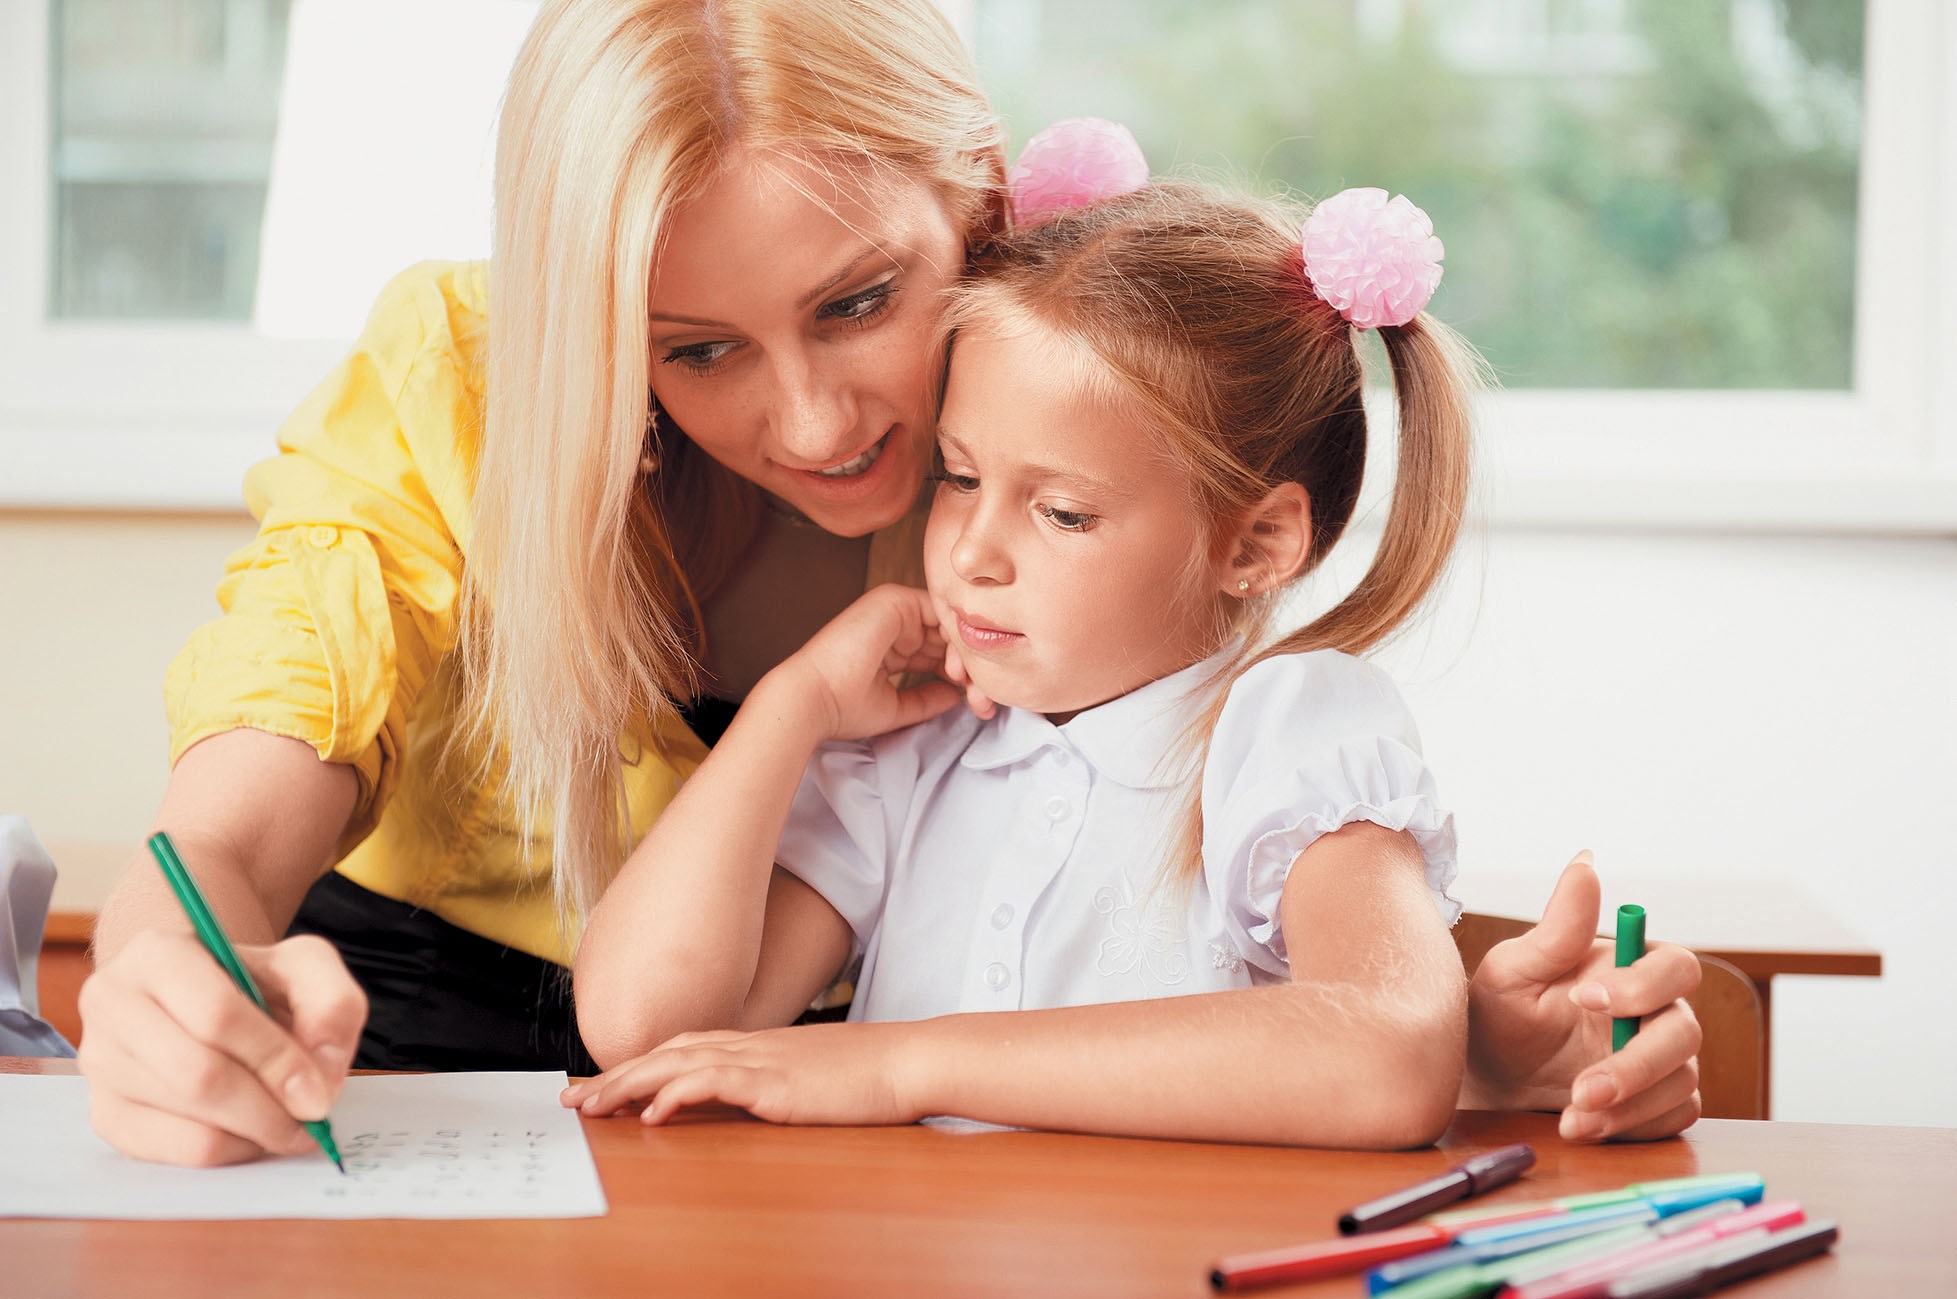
1195 304
581 618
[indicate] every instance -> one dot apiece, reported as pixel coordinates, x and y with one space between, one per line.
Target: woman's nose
814 415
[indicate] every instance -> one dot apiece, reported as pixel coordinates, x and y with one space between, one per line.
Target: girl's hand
1539 1013
182 1068
838 1074
847 666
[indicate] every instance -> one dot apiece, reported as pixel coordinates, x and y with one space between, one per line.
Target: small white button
997 976
1002 915
1057 808
1060 758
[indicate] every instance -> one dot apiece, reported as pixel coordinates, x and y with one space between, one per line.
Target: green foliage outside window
1641 194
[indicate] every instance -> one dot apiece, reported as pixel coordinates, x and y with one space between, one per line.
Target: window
1704 242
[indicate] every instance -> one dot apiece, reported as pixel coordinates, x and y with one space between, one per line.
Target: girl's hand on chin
977 700
846 668
835 1074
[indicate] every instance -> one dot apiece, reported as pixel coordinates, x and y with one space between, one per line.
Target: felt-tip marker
1482 1173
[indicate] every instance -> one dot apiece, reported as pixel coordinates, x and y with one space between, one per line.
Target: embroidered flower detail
1225 958
1375 260
1074 162
1140 934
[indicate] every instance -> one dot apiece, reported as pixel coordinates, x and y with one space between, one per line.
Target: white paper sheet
455 1145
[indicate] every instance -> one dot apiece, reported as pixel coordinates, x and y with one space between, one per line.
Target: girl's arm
1362 1048
700 930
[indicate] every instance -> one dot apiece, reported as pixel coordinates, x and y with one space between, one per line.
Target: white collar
1128 739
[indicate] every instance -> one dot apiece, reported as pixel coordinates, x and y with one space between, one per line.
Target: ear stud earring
1243 584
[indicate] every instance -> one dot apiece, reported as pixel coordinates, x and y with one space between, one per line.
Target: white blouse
1013 864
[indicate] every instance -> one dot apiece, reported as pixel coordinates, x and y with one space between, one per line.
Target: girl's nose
979 554
814 415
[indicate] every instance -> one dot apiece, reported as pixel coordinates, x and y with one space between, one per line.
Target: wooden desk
721 1205
1763 927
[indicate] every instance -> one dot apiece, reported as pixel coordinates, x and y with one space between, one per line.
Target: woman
490 562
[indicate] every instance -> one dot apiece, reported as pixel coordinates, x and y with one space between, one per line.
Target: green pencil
184 885
1630 946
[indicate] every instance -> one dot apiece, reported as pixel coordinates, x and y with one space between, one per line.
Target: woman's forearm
256 818
674 943
1348 1064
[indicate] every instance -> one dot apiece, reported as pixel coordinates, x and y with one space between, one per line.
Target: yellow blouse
340 615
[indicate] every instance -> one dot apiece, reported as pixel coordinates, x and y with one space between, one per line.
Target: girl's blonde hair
581 616
1195 304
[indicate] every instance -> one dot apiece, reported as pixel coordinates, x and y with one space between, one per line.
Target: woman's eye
859 307
1068 520
697 357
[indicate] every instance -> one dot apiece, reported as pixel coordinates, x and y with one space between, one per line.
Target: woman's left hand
839 1074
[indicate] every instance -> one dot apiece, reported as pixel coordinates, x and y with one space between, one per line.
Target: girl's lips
983 636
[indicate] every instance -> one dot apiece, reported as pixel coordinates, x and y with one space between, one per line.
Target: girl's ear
1270 544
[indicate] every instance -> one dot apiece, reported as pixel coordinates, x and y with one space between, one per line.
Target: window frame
1880 458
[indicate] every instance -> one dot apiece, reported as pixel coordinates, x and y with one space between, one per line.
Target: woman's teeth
851 468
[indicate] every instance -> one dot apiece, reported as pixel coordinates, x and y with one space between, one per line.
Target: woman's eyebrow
801 304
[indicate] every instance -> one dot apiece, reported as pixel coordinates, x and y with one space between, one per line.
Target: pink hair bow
1375 260
1074 162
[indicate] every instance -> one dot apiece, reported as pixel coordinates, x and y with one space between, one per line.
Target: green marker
185 887
1630 946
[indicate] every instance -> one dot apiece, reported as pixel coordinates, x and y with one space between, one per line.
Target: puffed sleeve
338 611
837 837
1307 744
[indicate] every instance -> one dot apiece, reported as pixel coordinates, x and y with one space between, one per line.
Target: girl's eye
701 358
957 482
860 307
1068 520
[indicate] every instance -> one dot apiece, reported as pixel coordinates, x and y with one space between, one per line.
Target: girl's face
792 317
1065 556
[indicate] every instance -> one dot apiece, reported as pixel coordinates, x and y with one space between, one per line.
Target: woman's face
793 309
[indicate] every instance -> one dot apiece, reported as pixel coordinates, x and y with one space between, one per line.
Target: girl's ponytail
1434 379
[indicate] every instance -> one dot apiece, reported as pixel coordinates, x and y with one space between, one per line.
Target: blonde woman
679 421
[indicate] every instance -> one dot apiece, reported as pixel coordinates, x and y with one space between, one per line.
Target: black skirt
443 999
439 997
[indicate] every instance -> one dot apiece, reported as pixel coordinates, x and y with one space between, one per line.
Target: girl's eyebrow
801 304
1101 488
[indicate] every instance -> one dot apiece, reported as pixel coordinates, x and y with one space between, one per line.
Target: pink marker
1590 1279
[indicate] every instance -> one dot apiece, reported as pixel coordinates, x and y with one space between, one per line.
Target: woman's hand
184 1069
1539 1013
848 666
841 1074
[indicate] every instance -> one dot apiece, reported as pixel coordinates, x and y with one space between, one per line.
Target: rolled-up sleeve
337 613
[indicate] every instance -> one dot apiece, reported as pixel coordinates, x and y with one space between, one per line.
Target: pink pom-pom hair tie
1074 162
1375 260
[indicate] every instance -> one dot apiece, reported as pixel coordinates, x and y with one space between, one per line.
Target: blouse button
324 536
1057 809
997 976
1002 915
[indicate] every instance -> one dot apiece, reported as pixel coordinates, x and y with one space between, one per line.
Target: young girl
1152 425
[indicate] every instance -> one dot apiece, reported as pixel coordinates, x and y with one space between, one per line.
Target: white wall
1726 707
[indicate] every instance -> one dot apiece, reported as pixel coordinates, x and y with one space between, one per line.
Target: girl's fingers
1559 942
1664 974
727 1083
1664 1044
1645 1116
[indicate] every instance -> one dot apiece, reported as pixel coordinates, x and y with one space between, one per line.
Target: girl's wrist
793 706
